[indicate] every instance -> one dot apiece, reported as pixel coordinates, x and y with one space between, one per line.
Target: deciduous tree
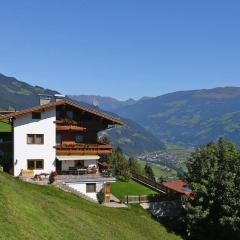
214 176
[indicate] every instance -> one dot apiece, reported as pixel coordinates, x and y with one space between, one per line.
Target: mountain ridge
19 95
105 102
191 117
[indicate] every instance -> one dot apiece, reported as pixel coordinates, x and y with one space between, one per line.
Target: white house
61 137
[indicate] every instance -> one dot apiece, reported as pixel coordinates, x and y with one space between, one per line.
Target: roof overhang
78 157
103 115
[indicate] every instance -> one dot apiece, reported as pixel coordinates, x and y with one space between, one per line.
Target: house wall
22 151
81 187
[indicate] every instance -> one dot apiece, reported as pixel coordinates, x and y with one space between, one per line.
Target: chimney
44 99
58 97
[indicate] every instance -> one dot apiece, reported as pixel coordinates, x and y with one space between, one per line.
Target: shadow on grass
169 214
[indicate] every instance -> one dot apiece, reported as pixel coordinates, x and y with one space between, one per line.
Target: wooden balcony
69 125
83 149
70 128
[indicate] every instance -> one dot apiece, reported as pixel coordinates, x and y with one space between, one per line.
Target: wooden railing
70 128
144 198
83 149
151 183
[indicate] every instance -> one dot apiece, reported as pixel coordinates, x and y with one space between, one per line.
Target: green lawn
29 211
159 172
5 127
121 189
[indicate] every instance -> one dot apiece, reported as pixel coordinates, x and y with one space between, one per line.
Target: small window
35 139
59 139
90 187
69 114
30 139
36 115
35 164
79 138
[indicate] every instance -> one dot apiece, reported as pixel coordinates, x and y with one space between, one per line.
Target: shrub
122 179
100 196
52 177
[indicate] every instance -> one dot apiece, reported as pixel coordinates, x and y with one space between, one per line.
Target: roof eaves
58 103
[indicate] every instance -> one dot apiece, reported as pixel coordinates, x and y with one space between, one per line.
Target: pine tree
149 172
134 165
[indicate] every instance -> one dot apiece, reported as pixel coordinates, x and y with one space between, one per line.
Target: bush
100 196
122 179
52 177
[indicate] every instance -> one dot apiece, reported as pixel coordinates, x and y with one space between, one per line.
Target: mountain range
131 137
188 117
106 103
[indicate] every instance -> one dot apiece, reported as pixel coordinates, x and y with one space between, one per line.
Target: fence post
127 199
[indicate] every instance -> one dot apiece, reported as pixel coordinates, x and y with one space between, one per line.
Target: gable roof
179 186
111 119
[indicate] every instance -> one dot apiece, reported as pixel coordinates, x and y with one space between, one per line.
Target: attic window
36 115
69 114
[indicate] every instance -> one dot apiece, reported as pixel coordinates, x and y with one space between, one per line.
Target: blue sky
121 48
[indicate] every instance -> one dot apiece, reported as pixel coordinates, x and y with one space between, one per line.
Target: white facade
24 125
81 187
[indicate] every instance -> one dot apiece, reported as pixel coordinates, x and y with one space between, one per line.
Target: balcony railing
70 128
68 124
83 149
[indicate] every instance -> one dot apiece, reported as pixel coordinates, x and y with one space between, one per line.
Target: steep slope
19 95
190 117
133 138
29 211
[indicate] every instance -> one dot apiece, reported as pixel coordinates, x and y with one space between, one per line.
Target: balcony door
58 165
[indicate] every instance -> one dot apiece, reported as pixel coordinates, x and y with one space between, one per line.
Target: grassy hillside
19 95
5 127
43 212
157 171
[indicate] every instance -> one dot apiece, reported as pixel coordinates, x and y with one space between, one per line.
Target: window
90 187
79 138
69 114
36 115
35 164
35 139
59 139
79 163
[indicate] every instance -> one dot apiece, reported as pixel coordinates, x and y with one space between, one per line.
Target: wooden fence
143 198
151 183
